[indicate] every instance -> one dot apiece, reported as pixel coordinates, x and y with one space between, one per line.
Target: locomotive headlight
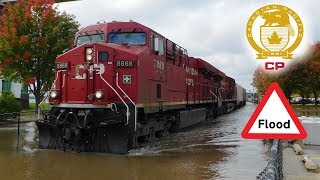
99 94
54 94
89 57
89 51
89 54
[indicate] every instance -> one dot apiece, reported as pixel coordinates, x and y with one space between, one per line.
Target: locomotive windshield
130 38
90 38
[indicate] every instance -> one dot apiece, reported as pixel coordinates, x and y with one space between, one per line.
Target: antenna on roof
101 22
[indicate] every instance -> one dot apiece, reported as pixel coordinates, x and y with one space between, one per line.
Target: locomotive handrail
184 54
54 82
216 97
64 79
128 113
220 96
219 91
135 107
219 99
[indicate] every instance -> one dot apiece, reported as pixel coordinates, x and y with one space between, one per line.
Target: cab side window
157 45
161 47
152 42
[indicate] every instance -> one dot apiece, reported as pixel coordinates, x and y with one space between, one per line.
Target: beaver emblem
278 18
274 31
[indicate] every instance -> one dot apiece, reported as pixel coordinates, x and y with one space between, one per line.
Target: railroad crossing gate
274 118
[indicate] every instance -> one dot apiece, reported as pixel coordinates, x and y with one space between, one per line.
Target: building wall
19 92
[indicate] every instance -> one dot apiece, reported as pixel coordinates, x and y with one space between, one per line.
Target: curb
297 149
309 164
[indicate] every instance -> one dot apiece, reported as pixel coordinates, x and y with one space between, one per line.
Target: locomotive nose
78 73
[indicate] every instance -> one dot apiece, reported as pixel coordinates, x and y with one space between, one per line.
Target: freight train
123 84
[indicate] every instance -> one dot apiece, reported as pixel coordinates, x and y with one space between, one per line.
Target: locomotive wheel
166 129
159 134
152 134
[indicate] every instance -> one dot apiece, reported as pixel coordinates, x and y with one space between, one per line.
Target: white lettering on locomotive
191 71
189 81
159 65
79 68
98 67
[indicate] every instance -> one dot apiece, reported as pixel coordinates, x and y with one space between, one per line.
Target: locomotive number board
62 65
125 63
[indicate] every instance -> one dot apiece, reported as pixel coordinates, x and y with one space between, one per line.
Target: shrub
8 103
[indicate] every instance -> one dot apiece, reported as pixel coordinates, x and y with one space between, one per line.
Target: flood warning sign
274 118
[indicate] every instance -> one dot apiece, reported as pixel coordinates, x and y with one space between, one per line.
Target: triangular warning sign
274 118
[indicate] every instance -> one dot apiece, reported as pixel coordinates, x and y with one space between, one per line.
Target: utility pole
252 93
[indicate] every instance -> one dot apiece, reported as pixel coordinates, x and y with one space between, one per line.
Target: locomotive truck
123 84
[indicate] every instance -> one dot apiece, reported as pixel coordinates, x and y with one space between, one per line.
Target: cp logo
274 31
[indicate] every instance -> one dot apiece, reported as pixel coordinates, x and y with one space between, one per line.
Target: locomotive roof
114 25
104 27
202 64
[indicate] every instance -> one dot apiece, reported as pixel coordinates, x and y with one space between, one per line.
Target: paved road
293 168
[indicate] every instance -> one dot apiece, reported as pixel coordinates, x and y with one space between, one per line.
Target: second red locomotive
123 84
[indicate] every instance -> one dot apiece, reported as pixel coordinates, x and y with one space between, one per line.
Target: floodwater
212 150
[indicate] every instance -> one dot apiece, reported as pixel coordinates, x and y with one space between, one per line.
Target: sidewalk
23 119
32 117
293 168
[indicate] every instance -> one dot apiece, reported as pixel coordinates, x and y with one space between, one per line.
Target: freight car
123 84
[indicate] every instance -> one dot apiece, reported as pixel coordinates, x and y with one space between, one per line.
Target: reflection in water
212 150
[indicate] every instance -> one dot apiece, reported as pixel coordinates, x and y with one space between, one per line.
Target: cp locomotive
123 84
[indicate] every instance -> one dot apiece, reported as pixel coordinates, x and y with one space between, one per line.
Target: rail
273 171
135 106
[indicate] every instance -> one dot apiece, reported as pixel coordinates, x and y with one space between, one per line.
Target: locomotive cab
85 74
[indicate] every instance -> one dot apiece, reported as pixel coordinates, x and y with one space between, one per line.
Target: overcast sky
210 29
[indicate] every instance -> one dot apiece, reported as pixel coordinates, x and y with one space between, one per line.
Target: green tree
287 83
32 34
8 103
301 77
311 70
262 79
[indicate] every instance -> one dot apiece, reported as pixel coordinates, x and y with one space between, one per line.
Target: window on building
24 89
6 85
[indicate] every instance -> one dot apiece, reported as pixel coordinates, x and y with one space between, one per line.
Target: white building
15 88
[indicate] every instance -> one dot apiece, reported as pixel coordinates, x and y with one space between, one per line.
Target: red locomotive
123 84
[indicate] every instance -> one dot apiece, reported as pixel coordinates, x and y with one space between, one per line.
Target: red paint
150 69
274 65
